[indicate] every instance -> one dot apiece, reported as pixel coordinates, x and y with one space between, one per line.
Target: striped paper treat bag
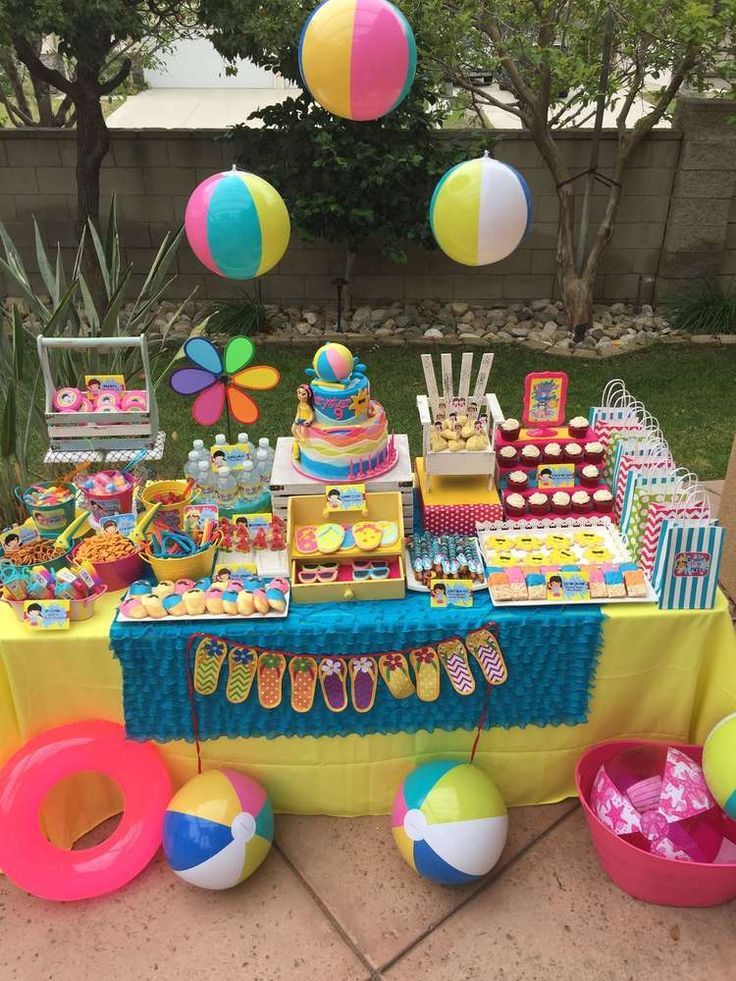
657 512
688 563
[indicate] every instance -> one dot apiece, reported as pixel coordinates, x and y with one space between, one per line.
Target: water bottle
206 483
248 483
227 488
248 447
263 468
198 447
191 467
263 444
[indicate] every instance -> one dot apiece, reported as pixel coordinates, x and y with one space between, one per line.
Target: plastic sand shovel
138 534
66 539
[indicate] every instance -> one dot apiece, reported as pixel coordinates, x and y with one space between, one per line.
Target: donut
330 537
134 401
67 400
368 535
306 539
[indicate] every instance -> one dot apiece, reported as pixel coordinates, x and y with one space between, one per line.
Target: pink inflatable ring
37 866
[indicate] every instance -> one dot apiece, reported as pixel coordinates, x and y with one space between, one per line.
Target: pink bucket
103 503
640 874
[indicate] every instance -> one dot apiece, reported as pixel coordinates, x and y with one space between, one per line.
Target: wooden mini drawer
341 592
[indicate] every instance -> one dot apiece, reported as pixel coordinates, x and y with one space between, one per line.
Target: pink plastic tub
641 875
120 573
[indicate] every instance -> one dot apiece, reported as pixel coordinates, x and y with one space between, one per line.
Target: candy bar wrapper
687 564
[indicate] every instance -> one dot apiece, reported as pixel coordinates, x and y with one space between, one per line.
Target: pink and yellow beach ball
357 57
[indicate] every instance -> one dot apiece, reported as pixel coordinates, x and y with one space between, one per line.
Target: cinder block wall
677 218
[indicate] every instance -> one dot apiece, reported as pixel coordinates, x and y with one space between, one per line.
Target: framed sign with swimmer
545 398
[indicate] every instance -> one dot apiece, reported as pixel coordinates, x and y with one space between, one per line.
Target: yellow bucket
170 516
184 566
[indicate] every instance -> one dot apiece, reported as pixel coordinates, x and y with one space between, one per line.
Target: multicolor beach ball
719 764
333 363
218 829
480 211
449 822
357 57
237 224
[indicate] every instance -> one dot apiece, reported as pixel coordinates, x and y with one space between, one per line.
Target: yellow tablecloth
661 675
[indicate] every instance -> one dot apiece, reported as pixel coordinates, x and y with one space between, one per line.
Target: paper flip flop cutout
333 674
395 673
454 660
484 647
303 675
242 663
208 659
271 670
363 682
426 666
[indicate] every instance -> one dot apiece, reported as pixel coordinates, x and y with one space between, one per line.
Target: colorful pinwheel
214 379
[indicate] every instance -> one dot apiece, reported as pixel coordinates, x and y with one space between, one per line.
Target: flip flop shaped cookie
242 663
454 660
395 673
303 675
330 537
333 674
484 647
368 535
208 660
271 670
389 532
306 539
426 666
363 682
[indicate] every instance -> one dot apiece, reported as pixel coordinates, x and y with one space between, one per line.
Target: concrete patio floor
335 900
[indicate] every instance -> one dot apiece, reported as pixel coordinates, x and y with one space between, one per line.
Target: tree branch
26 54
62 113
490 29
485 97
117 79
17 116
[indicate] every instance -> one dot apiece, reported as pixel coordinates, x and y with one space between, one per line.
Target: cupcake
603 501
510 429
573 452
578 427
507 456
561 503
531 455
515 505
590 476
552 453
518 480
581 501
539 503
594 452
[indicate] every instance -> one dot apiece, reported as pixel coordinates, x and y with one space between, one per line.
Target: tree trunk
93 144
577 295
42 93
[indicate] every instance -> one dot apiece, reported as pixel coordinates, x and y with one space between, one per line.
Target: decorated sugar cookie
597 554
562 556
306 539
505 559
368 535
557 541
330 537
498 543
389 532
528 543
588 538
536 559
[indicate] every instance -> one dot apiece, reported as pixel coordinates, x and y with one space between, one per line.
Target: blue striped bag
687 564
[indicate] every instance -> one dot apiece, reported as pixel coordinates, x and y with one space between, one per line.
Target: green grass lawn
691 390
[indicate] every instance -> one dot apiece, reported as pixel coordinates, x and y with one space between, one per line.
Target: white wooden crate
287 482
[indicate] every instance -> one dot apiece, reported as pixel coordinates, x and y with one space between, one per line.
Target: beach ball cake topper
237 224
218 829
357 57
449 822
480 211
334 364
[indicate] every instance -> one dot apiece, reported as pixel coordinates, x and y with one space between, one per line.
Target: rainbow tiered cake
340 435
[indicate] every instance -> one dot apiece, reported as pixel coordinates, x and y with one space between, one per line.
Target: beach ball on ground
449 822
218 829
480 211
333 363
719 764
237 224
357 57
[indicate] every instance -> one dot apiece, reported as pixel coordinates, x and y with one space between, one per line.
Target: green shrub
707 308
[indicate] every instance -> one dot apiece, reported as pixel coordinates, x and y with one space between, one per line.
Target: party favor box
687 564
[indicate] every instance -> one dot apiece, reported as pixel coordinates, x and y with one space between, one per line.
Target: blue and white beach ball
449 822
218 829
